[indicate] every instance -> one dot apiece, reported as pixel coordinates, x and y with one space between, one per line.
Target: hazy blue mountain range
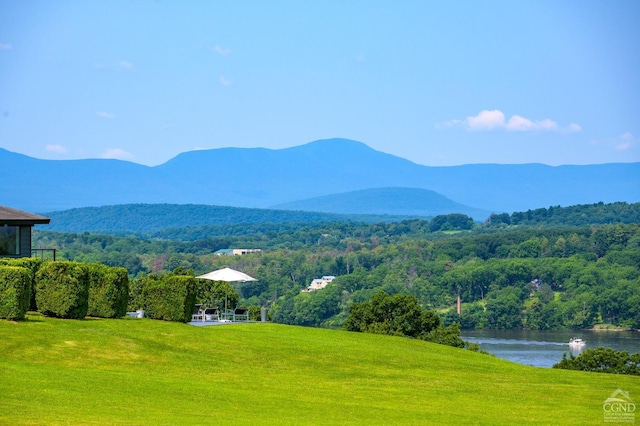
262 178
386 201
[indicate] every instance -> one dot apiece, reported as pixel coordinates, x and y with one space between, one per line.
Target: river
545 348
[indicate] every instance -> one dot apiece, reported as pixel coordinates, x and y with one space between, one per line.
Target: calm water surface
545 348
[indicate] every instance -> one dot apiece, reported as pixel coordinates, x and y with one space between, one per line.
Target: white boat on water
576 341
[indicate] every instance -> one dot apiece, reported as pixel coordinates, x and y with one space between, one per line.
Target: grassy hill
150 372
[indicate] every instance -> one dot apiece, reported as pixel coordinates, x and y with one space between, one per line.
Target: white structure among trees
319 283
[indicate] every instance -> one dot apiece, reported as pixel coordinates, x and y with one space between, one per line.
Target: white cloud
221 50
486 120
224 81
116 154
58 149
450 123
496 120
627 137
623 146
125 65
107 115
520 124
573 128
625 141
5 46
621 142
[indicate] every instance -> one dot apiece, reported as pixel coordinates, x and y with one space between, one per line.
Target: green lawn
130 371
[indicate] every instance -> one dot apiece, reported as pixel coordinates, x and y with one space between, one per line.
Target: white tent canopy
228 275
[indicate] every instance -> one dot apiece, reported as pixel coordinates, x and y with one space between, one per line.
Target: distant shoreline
610 327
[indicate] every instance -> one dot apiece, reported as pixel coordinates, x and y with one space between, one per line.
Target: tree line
539 278
507 275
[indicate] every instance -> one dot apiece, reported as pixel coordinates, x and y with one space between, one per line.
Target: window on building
9 240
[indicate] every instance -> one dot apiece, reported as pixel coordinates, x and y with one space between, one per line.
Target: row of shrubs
75 290
62 289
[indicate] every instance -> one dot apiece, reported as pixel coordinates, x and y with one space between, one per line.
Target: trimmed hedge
32 264
15 292
169 297
108 291
62 289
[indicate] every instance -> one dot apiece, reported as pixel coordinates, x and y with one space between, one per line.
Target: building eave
13 217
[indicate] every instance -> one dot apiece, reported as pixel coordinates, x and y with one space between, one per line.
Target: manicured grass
130 371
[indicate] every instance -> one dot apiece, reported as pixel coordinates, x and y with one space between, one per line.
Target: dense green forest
193 222
580 215
538 273
145 219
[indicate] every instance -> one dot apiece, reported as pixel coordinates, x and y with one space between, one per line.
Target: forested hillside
580 215
191 222
508 276
127 219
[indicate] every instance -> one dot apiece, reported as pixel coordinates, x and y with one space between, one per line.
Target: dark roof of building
9 216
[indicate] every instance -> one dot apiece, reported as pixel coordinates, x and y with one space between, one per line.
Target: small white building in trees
319 283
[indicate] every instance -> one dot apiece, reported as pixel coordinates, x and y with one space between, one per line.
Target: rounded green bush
108 291
169 297
62 289
32 264
15 292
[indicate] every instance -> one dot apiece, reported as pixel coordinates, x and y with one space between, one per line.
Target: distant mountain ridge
391 201
262 178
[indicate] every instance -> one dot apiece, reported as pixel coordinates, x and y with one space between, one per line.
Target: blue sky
437 82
